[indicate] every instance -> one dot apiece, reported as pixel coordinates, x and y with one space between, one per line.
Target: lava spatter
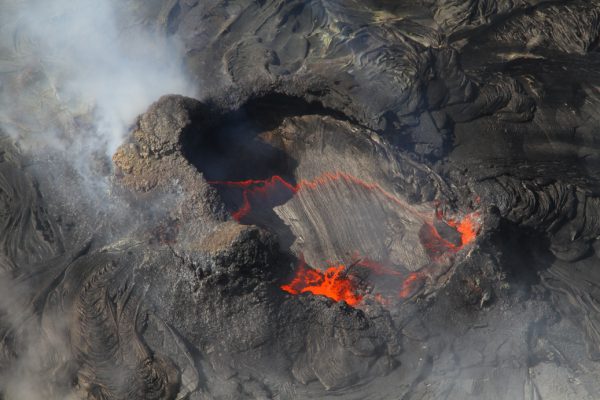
333 283
339 283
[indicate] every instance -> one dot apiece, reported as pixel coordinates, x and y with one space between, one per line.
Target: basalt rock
371 199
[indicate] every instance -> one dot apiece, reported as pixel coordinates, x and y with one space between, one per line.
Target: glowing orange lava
337 282
468 227
263 189
332 283
411 284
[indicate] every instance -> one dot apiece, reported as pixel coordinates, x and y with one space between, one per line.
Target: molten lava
276 190
256 191
438 246
337 282
332 283
435 245
468 227
266 191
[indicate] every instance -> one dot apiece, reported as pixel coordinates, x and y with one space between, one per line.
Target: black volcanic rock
444 152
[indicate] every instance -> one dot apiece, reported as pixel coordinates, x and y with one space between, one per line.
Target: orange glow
261 189
332 283
411 284
337 282
266 191
468 227
435 245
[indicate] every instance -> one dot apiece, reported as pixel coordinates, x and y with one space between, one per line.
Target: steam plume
73 77
75 74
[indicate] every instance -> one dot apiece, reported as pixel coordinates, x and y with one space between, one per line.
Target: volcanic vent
371 200
336 227
338 199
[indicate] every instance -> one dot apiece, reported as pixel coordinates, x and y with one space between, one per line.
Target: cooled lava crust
375 200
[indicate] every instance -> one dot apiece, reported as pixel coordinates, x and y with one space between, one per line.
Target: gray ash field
294 199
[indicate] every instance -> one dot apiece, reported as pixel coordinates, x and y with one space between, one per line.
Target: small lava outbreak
338 282
468 227
334 283
411 284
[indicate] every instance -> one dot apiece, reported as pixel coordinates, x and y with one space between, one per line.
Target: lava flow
411 283
468 227
276 188
333 283
337 282
437 246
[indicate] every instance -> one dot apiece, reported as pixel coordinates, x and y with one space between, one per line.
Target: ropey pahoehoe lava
332 199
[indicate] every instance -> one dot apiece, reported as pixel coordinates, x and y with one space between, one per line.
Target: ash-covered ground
292 199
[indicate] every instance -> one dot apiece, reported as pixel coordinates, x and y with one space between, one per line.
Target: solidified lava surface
366 200
335 282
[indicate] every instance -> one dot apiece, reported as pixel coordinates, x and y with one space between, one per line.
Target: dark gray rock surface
150 289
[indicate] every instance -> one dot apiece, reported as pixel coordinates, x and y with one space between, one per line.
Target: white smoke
75 74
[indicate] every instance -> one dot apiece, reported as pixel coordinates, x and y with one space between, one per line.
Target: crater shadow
246 165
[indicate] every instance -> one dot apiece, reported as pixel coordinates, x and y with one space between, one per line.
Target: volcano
338 200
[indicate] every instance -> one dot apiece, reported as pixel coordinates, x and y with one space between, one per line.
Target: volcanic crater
321 184
365 200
